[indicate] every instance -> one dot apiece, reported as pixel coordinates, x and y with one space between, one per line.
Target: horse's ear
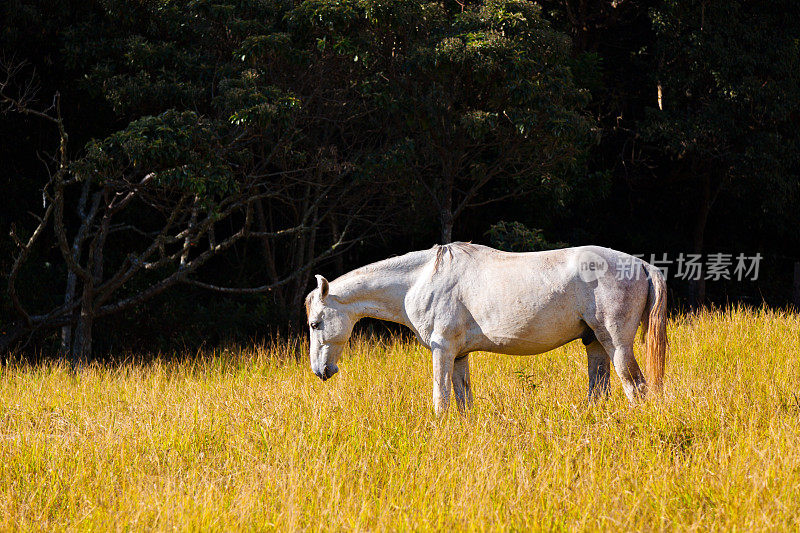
322 285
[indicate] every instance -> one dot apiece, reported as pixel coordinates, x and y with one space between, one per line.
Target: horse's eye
314 325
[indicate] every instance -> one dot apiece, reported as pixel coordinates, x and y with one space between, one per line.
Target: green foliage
252 103
730 76
487 93
516 237
181 150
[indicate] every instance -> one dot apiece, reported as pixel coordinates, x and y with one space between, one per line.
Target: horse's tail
654 327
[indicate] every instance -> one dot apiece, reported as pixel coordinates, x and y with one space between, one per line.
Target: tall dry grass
253 440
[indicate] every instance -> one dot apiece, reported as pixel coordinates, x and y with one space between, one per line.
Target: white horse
460 298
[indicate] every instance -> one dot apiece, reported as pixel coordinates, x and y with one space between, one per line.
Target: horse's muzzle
326 372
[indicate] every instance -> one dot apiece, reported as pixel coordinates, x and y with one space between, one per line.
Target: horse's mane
450 249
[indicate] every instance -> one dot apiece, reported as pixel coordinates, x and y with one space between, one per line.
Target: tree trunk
82 342
67 332
447 226
311 244
69 297
338 259
269 258
305 250
697 288
446 212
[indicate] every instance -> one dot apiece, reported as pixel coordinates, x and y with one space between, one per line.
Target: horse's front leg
442 378
599 371
462 388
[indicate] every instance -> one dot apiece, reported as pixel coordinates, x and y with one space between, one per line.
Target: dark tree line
176 171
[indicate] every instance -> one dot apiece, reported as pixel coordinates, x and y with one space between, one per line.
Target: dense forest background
173 172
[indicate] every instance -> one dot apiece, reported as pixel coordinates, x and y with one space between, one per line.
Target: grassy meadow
251 439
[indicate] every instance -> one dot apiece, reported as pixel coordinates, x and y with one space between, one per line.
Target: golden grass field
251 439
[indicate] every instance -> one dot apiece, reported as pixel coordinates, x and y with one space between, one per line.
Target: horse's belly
530 340
523 346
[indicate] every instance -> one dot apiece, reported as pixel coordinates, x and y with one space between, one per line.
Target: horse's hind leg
462 387
599 371
627 369
618 343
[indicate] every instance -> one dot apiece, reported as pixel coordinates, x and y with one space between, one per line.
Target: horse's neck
376 292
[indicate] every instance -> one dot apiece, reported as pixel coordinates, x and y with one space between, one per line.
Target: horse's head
329 327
